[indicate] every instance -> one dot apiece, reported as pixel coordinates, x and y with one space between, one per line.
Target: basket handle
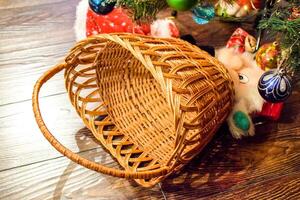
71 155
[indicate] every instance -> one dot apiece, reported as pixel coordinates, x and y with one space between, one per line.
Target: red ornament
251 4
114 22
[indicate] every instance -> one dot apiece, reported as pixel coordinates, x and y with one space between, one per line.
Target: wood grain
62 179
33 38
35 35
22 141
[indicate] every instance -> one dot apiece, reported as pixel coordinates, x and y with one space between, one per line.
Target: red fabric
237 40
115 21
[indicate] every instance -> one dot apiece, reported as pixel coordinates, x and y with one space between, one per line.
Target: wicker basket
153 103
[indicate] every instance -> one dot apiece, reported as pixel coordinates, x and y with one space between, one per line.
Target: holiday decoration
164 28
182 5
241 41
232 9
116 21
251 4
245 73
285 25
268 55
203 14
119 21
281 20
144 10
271 111
101 7
275 86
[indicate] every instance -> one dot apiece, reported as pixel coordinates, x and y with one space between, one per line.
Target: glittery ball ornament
203 14
182 5
275 86
267 56
101 7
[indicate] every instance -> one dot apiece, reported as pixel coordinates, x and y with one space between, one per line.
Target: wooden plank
47 35
285 187
226 164
6 4
61 179
22 142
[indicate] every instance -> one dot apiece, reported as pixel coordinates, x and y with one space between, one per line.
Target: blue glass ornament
203 14
102 7
275 86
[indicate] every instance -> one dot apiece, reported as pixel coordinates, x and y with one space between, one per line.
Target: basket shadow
83 139
223 163
105 184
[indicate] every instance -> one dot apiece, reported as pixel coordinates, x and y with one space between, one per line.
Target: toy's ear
229 58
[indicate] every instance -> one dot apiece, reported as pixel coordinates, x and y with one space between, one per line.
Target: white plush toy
245 74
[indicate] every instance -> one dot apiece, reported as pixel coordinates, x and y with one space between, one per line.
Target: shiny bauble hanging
267 56
203 14
275 86
182 5
101 7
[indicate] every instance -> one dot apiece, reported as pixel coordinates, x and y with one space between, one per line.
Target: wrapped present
271 111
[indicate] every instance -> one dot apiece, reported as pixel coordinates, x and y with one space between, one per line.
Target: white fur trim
80 22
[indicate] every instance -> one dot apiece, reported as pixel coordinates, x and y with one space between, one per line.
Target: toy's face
249 76
245 73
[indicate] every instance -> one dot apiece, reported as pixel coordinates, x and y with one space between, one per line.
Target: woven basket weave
153 103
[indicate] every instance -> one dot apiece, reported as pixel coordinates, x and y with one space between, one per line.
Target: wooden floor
36 34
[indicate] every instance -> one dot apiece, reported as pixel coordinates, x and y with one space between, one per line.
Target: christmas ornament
203 14
116 21
233 9
101 7
182 5
275 86
251 4
267 56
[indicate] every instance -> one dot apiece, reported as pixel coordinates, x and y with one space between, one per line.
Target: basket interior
126 108
135 102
